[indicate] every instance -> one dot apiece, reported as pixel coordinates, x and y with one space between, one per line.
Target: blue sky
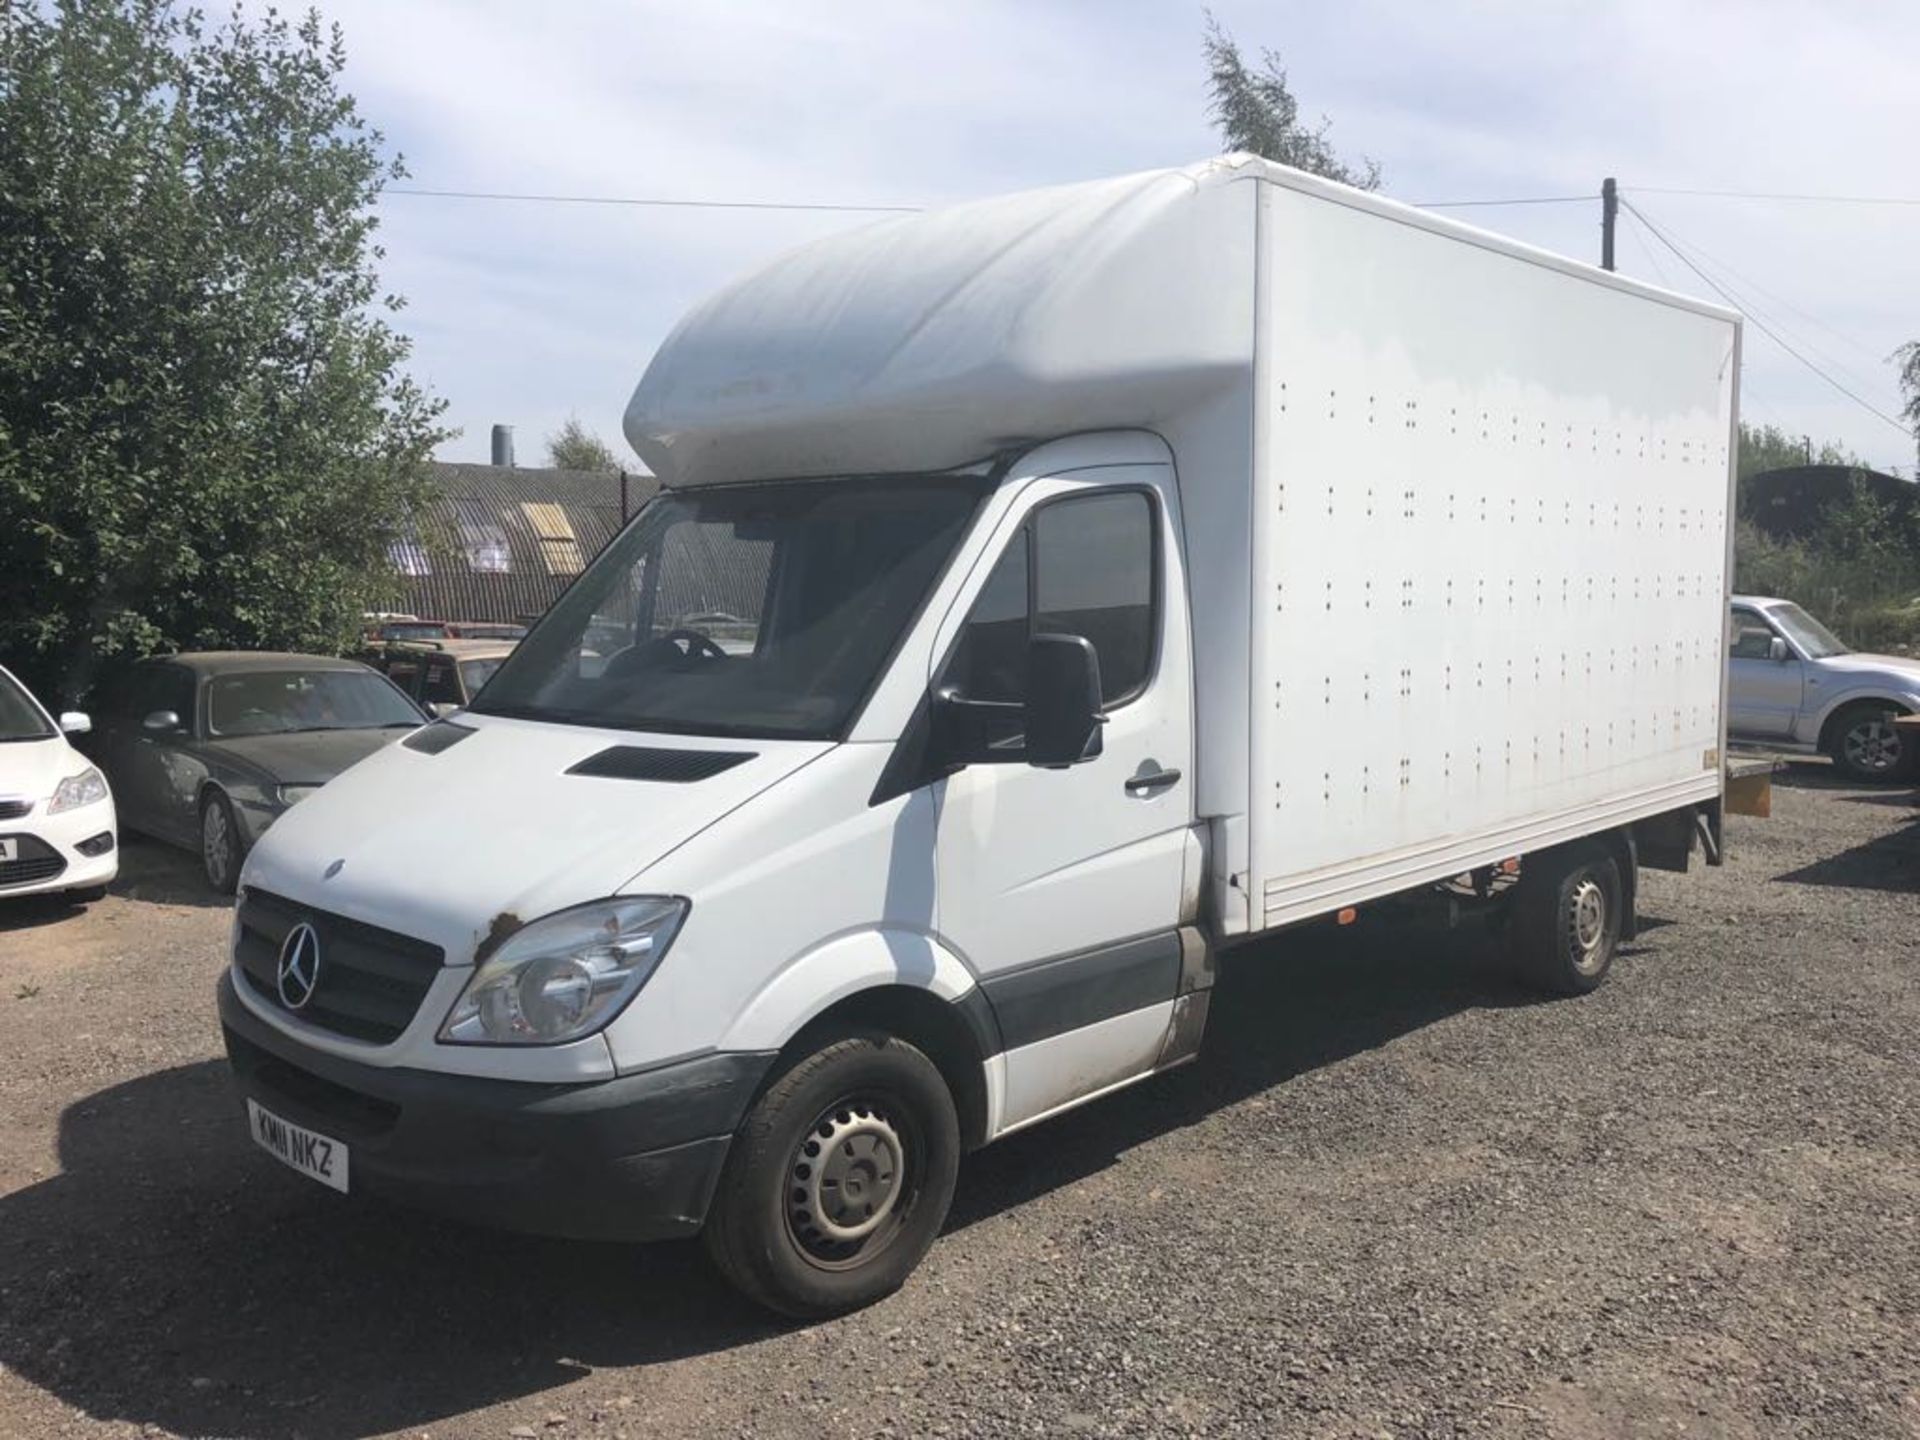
526 313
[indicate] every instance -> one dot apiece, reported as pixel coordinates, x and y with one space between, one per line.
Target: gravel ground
1395 1197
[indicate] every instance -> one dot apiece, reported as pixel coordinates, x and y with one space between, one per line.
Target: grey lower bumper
632 1158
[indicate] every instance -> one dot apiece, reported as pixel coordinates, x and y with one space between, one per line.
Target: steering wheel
677 646
694 643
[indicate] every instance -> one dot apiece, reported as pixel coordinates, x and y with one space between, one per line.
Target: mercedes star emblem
299 965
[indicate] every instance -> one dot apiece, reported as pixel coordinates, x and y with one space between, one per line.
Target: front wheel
1868 746
1568 911
220 850
838 1180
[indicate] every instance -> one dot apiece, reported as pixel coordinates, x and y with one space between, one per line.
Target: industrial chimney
503 446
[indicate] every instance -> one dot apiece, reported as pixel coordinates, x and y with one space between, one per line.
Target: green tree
1907 357
1768 447
206 433
1254 109
576 447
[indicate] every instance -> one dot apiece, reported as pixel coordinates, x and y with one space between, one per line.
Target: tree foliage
1768 447
206 434
1254 110
575 447
1907 357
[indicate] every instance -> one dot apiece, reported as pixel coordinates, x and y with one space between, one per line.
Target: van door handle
1140 786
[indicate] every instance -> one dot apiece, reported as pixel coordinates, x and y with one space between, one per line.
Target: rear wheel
1868 746
220 850
838 1180
1568 911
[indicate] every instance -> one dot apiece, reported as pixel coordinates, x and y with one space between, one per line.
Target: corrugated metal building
504 541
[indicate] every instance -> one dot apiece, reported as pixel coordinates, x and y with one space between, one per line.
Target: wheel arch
943 1030
1840 705
905 983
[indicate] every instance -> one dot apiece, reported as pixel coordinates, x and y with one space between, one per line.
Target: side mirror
1777 650
74 722
443 708
158 722
1063 701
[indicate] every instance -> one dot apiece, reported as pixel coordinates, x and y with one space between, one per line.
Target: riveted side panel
1493 568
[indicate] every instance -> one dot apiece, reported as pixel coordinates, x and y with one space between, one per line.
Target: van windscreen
749 610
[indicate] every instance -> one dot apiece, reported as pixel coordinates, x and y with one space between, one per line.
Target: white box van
1045 593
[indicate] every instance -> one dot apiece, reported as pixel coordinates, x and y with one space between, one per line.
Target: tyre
839 1178
220 846
1566 919
1867 745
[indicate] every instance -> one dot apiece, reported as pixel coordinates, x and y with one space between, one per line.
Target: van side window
1752 638
1083 566
1093 571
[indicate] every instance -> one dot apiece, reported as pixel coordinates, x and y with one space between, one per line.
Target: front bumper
632 1158
53 859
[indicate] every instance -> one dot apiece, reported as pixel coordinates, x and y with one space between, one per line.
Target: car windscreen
20 718
1816 642
752 610
281 702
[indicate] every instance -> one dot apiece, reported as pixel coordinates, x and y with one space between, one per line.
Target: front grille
358 1116
12 808
371 980
38 861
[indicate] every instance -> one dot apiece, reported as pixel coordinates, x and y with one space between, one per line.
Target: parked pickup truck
1793 685
1110 574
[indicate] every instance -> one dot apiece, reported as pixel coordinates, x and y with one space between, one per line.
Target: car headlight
565 976
294 794
89 787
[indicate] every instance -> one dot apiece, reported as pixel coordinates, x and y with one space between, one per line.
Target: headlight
565 976
89 787
294 794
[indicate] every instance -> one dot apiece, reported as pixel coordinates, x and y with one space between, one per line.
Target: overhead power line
1779 195
1521 200
677 203
1762 325
648 200
1760 314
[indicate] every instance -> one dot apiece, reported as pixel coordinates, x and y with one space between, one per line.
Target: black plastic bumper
632 1158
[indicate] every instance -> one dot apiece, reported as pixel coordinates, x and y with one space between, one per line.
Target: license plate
9 850
318 1157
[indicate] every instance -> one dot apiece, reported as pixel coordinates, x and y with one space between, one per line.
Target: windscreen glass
1814 639
752 610
283 702
20 718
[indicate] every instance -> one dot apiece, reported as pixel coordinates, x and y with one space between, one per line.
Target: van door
1063 888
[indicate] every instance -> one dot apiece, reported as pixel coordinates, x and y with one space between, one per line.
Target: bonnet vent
440 735
675 767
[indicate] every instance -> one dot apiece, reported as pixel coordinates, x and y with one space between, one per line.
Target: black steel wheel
1568 911
839 1178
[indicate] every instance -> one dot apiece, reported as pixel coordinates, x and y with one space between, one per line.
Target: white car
57 828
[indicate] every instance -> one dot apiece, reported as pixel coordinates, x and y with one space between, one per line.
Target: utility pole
1609 212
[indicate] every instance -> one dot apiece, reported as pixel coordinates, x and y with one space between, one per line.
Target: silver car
1793 686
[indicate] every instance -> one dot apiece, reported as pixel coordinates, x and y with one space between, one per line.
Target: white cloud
524 313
